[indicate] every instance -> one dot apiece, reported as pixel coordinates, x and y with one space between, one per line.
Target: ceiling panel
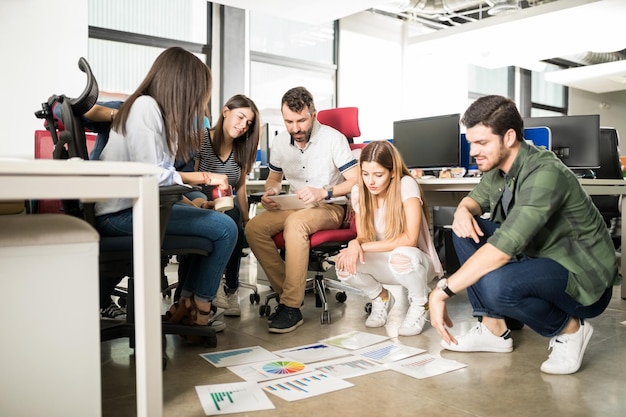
308 11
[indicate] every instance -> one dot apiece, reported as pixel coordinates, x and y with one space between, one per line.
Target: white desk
92 180
449 191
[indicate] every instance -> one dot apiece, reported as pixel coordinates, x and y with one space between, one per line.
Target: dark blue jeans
204 273
531 290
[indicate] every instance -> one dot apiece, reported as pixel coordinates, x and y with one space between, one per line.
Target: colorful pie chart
283 367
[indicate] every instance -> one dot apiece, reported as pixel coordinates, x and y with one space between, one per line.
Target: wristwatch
329 190
442 284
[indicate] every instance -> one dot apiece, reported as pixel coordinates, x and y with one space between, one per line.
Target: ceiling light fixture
504 7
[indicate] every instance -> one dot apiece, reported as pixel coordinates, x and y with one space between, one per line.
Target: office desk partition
449 191
97 180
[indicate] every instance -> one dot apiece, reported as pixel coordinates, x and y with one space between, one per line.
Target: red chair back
344 119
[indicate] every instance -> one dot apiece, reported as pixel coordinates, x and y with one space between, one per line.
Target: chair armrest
168 195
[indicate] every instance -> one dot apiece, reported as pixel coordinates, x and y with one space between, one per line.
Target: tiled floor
491 385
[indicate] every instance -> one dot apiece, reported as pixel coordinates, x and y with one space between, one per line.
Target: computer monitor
575 139
429 143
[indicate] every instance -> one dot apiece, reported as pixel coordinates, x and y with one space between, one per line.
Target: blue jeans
204 272
231 274
531 290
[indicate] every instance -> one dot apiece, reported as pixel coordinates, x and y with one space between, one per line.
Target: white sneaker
220 300
216 324
414 321
567 351
480 339
228 301
380 310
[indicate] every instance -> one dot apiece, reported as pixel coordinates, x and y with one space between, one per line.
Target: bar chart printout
349 367
424 366
304 386
238 356
237 397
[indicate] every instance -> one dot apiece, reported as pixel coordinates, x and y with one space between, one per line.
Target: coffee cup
223 198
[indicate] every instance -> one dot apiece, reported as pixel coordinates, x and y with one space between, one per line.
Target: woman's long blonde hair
385 154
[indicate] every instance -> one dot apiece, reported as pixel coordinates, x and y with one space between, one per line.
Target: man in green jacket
544 256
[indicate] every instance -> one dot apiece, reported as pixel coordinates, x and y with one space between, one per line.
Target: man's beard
304 139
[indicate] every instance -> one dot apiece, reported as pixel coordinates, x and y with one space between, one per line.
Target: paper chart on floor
238 356
313 352
354 340
349 367
425 366
238 397
304 386
387 352
266 370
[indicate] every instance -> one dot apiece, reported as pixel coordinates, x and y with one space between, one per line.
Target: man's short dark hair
497 112
297 99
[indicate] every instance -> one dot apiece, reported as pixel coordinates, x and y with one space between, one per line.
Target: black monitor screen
430 142
575 139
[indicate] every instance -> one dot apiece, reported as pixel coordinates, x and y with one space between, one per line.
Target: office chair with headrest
327 243
344 119
116 252
610 168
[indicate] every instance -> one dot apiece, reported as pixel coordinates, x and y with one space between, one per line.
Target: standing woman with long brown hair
393 244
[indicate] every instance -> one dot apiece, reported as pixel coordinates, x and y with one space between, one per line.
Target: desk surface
74 167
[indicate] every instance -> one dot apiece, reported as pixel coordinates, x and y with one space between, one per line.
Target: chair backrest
344 119
610 165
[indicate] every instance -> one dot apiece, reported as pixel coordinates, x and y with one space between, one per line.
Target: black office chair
116 252
610 168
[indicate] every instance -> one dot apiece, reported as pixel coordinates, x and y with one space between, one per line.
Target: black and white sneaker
112 312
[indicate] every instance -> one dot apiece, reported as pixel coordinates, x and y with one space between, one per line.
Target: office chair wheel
255 298
265 310
167 293
325 317
341 297
368 308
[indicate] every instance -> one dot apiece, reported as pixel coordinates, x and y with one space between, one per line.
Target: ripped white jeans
405 265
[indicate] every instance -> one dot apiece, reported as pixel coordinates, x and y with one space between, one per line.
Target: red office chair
344 119
327 243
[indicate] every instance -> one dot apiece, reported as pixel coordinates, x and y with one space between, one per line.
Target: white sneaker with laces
220 299
414 321
480 339
216 324
233 309
380 310
567 351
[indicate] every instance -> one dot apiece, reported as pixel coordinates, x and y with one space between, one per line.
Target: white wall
610 106
42 41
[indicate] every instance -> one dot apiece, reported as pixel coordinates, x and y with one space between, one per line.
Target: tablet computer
290 202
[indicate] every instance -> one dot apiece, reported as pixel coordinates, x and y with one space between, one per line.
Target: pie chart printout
283 367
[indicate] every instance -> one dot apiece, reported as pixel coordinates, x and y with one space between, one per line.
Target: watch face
442 283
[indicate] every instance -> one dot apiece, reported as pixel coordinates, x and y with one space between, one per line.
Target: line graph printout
387 352
238 397
263 371
304 386
238 356
354 340
349 367
313 352
424 366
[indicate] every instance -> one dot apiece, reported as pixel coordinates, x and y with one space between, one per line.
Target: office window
484 81
184 20
286 54
548 99
275 36
269 82
126 36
